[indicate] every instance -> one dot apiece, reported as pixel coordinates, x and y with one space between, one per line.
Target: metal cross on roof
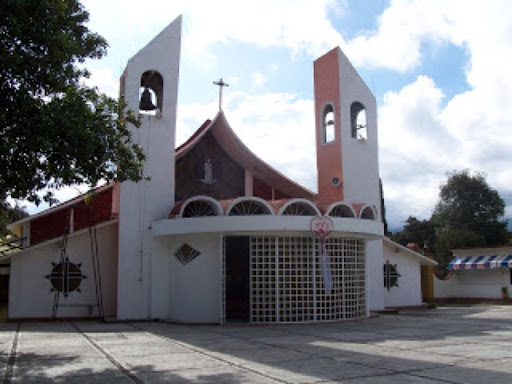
221 84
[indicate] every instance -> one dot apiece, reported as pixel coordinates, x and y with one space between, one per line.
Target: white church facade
215 234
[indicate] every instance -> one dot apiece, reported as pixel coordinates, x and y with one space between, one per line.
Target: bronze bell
145 101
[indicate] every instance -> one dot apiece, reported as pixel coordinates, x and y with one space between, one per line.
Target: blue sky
440 70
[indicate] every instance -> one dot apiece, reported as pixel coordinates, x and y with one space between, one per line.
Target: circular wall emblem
66 277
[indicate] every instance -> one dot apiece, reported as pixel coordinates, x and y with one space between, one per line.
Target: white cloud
420 138
402 29
415 147
258 79
300 25
280 129
103 78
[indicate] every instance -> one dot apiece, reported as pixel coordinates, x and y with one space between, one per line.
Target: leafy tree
415 231
54 130
468 203
8 215
452 239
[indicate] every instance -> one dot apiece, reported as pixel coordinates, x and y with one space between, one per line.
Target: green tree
54 130
415 231
468 203
469 214
453 239
8 215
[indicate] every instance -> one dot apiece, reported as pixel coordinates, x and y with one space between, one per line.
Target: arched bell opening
328 124
151 93
358 121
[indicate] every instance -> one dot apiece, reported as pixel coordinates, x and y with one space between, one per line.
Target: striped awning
475 262
505 262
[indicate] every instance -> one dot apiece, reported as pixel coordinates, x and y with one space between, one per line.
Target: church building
215 234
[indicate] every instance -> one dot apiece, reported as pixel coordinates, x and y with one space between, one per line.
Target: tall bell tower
346 134
149 86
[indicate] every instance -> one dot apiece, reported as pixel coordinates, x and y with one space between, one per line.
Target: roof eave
424 259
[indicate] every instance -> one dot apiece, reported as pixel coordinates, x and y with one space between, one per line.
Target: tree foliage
8 215
468 203
469 213
453 239
54 130
418 232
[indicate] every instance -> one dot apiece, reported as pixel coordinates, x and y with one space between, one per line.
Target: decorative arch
299 207
328 124
341 210
248 206
151 92
200 206
367 213
358 121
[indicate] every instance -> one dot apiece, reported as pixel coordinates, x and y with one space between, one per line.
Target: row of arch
199 206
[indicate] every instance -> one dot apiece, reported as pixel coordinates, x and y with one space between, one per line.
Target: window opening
198 208
247 208
299 209
341 211
328 124
368 214
358 121
391 275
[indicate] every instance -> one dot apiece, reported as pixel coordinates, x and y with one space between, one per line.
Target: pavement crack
213 356
11 359
109 357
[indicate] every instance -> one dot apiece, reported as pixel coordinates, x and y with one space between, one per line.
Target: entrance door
237 278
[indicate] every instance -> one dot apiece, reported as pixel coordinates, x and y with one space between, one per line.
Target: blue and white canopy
481 262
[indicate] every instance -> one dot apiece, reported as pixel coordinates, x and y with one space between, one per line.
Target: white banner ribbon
322 227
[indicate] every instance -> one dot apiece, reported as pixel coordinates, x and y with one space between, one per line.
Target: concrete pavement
456 344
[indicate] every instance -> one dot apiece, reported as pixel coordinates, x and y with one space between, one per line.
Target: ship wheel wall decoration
66 277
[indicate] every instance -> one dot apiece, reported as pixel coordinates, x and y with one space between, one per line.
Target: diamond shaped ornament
185 254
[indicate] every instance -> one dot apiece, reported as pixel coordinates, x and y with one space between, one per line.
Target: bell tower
346 133
149 86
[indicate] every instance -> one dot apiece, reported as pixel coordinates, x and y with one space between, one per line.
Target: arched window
328 124
199 208
299 209
342 210
358 121
151 93
368 214
248 208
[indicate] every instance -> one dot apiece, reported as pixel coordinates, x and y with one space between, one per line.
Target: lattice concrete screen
287 283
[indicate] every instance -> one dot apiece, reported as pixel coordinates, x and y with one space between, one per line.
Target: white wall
195 289
474 283
30 294
374 281
149 200
408 292
359 158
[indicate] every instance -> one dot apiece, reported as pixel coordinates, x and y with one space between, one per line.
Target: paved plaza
452 344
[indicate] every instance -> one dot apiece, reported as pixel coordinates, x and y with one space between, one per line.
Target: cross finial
221 84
